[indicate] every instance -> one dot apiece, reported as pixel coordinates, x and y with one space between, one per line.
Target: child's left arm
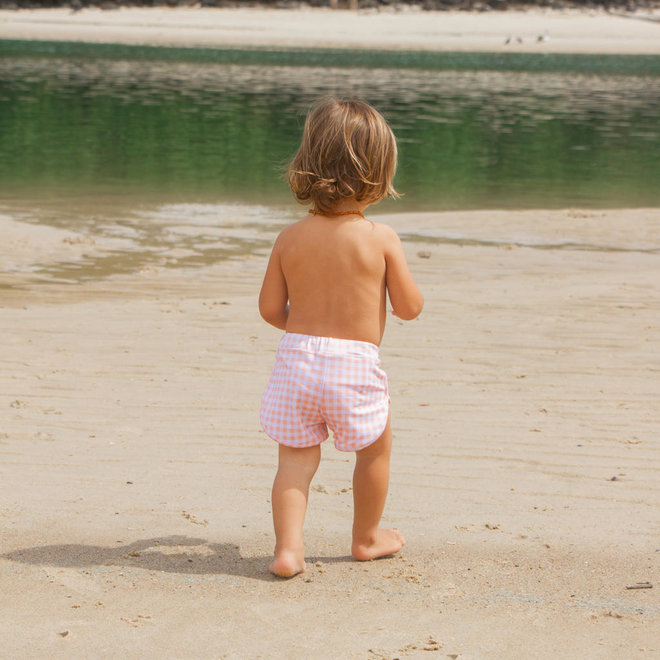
274 296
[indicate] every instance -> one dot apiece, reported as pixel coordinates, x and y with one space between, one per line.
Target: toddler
325 286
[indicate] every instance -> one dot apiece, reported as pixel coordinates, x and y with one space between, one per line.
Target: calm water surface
116 135
191 131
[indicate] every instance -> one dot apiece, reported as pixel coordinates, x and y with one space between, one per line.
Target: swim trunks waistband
329 345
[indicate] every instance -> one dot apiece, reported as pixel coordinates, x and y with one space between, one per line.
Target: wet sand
540 31
134 477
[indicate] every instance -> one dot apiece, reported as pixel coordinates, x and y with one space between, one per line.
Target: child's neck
350 204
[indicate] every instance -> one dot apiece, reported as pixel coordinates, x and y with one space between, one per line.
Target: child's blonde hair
347 150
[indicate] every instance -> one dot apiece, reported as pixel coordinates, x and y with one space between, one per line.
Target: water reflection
209 132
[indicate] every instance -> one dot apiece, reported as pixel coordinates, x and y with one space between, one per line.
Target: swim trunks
321 382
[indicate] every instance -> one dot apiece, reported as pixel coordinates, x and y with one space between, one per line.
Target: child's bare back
335 271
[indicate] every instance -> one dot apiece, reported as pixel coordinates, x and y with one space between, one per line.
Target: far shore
533 31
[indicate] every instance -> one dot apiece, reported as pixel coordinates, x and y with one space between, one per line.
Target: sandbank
534 31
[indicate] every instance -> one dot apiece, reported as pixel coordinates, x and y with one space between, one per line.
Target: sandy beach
134 482
538 31
135 479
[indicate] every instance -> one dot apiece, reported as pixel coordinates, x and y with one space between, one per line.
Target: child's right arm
407 300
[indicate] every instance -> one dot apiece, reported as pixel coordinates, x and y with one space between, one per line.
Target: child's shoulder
383 229
385 234
287 231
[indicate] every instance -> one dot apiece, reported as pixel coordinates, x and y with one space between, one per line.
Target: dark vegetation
437 5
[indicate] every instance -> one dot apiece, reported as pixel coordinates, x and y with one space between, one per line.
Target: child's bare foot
287 563
384 542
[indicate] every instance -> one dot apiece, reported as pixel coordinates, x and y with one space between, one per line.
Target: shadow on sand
169 554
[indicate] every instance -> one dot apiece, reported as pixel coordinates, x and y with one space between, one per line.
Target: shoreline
515 31
38 258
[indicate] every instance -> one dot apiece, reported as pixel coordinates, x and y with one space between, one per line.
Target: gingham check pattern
321 382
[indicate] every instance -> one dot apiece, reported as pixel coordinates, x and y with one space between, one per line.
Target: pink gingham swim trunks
321 382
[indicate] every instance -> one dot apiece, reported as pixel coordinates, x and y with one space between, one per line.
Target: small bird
543 37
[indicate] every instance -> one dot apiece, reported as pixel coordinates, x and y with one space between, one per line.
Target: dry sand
134 477
525 31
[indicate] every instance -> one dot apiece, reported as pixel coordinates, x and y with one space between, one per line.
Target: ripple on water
65 245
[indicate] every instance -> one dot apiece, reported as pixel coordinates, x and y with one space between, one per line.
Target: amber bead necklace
316 212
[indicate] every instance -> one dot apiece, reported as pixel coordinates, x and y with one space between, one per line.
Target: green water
185 125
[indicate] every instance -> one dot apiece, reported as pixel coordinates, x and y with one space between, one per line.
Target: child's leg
370 482
295 470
